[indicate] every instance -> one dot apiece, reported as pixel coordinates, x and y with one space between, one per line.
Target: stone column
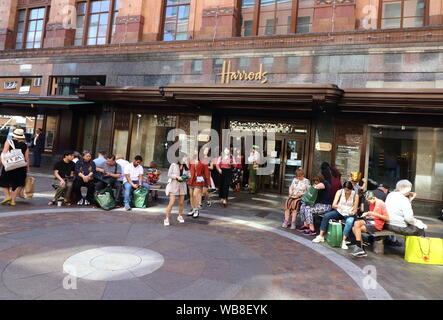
8 14
334 15
130 22
60 29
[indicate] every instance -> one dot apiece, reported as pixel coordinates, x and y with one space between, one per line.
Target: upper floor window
402 13
274 17
30 28
305 16
96 22
176 20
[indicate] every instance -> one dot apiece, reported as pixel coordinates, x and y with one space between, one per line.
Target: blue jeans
128 190
334 214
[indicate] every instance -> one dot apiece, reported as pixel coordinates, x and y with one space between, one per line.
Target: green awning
53 102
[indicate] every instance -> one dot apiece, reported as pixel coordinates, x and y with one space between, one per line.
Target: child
297 189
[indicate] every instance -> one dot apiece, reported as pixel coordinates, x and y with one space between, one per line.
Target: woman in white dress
177 187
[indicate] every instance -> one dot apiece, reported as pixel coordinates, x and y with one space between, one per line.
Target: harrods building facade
357 83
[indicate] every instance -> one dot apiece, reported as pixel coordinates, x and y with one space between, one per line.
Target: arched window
176 20
403 13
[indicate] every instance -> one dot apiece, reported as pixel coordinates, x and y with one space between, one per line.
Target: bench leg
379 246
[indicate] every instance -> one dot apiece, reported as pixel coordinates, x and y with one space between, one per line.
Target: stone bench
379 238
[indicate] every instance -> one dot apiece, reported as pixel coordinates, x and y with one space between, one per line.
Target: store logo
227 75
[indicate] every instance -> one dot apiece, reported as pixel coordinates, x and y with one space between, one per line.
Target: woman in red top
224 165
199 179
376 217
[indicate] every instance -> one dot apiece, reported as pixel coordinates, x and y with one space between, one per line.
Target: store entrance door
287 156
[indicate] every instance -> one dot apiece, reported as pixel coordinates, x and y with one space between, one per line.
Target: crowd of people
360 210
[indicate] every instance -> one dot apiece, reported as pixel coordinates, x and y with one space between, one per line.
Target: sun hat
18 134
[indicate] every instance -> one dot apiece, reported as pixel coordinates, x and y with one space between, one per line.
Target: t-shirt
324 196
99 161
64 169
134 172
380 208
123 163
111 169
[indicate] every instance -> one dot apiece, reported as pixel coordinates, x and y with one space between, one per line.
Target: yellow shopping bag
424 250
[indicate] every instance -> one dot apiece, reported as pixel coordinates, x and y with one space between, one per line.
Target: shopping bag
105 199
310 196
28 191
424 250
13 159
140 197
334 236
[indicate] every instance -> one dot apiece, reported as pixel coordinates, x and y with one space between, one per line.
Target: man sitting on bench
377 211
110 173
401 215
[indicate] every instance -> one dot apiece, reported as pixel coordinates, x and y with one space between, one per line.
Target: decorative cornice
418 36
219 11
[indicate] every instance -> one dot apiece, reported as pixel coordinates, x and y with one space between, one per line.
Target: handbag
28 191
105 199
140 197
200 179
13 159
310 196
424 250
334 236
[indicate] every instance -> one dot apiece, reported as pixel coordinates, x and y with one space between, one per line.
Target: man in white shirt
123 163
401 215
134 179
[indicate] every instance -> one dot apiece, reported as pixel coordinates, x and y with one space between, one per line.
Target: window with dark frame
31 24
305 16
176 20
402 14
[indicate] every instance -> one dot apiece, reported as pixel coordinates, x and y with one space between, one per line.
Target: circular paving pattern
113 263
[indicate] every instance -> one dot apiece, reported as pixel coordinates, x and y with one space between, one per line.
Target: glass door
287 156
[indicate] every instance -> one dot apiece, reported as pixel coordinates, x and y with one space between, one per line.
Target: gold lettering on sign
241 75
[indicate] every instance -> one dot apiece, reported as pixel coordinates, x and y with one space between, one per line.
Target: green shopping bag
105 199
310 196
424 250
140 197
334 236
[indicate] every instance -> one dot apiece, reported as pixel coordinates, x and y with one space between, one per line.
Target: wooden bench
379 238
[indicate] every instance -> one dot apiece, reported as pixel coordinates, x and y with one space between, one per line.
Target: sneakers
344 246
303 228
166 222
127 207
285 224
190 213
6 200
196 214
309 232
319 239
180 219
358 252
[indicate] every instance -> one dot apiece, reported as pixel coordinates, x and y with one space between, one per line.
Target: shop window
50 133
413 153
402 13
67 86
31 24
349 142
176 20
149 137
8 123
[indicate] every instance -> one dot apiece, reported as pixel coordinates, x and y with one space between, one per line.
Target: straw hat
18 134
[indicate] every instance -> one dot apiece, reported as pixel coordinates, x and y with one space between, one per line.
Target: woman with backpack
344 207
12 181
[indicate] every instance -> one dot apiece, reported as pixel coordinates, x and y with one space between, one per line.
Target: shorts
370 228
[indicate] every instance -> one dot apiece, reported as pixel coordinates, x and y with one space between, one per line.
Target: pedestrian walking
199 178
13 180
178 175
225 165
38 146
